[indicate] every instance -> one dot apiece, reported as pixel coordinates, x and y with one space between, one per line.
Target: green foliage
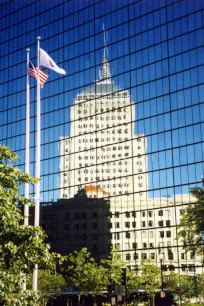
199 287
85 274
90 277
150 278
18 297
193 304
192 223
133 281
50 284
182 286
115 266
20 246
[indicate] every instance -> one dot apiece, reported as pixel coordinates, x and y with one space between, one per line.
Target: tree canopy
85 274
199 287
20 246
182 286
133 281
50 284
91 277
115 266
150 278
192 223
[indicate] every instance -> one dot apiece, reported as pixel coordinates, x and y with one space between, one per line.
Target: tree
181 286
92 278
20 246
133 281
50 284
150 278
89 277
115 266
199 287
192 223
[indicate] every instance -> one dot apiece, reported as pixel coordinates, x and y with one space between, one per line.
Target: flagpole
27 155
27 147
37 171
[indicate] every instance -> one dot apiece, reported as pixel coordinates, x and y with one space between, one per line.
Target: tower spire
105 37
104 73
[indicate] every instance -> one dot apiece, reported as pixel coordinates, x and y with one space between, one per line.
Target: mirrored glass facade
122 132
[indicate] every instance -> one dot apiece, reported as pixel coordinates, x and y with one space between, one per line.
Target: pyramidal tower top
104 72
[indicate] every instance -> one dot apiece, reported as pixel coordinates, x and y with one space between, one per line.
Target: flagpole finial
28 50
38 38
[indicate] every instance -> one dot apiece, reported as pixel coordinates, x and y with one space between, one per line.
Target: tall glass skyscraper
125 124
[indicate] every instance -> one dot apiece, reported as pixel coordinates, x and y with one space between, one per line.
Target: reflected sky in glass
155 52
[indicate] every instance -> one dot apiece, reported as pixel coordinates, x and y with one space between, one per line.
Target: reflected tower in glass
102 149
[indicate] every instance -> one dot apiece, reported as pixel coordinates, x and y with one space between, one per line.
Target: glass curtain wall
124 126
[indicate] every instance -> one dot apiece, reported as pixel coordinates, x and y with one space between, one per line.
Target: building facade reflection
103 149
131 138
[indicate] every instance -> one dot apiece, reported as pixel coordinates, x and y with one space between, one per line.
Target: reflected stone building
146 230
102 149
81 221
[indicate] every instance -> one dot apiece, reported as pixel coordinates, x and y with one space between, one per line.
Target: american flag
33 72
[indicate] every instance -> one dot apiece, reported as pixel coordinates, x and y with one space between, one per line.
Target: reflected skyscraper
103 149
